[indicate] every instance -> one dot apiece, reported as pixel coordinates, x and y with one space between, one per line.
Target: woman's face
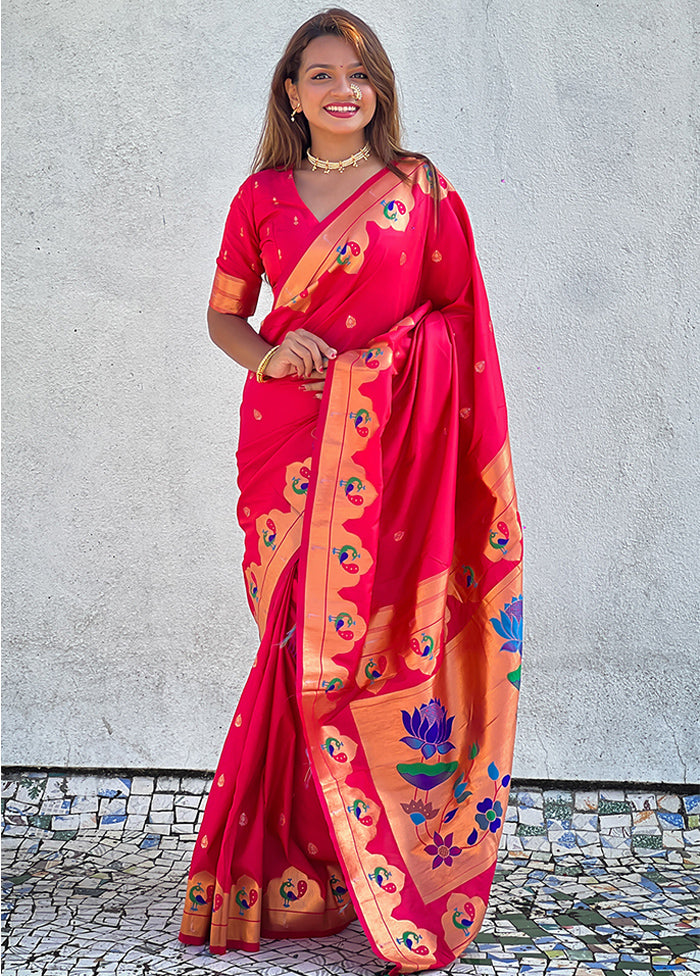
329 66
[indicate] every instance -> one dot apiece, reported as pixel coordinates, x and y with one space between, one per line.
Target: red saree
367 768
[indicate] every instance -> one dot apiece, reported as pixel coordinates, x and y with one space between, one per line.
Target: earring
294 112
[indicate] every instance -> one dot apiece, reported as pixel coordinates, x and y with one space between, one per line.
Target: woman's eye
361 75
320 76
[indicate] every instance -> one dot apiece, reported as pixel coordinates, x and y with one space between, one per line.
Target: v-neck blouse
267 230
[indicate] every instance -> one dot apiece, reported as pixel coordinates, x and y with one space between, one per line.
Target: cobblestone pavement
574 893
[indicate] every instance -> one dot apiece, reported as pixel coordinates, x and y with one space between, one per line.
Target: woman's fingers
301 353
314 350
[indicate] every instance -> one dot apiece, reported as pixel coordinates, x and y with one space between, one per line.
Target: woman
366 770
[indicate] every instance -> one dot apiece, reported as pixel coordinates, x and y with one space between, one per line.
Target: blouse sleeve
239 266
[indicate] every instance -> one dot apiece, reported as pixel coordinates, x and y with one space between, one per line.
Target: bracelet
260 371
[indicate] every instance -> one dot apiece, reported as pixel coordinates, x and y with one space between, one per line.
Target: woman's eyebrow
355 64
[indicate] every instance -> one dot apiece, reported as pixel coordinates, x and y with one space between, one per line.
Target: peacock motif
347 557
361 419
300 485
197 899
381 877
353 487
270 534
499 540
338 889
462 919
246 901
292 892
393 208
411 940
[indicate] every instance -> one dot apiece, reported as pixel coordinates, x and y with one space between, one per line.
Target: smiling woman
368 764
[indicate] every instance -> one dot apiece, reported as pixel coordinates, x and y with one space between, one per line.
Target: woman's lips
341 111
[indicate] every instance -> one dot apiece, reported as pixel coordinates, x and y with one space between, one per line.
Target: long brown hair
283 143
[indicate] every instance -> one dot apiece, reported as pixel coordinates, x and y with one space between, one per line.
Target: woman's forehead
329 51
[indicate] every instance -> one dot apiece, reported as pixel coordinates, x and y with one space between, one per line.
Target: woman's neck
332 148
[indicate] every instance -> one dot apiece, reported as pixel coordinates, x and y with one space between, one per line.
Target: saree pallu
367 768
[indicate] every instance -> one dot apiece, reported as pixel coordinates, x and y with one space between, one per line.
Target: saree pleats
368 766
264 865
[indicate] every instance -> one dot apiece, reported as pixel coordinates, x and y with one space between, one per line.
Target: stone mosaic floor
590 882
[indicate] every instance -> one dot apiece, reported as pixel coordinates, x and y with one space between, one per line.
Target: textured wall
568 130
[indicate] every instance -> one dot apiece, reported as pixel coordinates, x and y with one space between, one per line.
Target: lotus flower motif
510 625
428 729
419 811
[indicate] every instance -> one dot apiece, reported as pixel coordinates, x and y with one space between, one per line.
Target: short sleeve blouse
239 266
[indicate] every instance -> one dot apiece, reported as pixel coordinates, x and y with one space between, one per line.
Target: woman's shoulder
423 172
260 183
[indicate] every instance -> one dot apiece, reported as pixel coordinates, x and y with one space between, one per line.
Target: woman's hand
301 354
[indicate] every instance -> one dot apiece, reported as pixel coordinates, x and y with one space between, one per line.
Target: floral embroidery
350 322
443 849
419 811
243 820
489 815
510 627
429 729
490 810
221 780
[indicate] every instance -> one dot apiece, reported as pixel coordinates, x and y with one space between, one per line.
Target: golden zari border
233 296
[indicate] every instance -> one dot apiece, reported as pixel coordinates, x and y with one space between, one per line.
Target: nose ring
357 92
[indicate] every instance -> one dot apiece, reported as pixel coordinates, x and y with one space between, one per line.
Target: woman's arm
301 353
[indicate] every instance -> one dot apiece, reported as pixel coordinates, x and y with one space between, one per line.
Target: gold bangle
260 371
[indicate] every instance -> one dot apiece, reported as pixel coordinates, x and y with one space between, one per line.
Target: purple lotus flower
489 815
510 625
429 729
443 850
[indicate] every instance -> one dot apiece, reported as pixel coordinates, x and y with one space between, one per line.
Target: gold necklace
340 164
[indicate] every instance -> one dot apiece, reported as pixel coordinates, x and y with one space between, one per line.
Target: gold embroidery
480 366
221 780
350 322
238 722
436 256
402 259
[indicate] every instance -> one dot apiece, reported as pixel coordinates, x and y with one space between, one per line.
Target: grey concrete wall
568 129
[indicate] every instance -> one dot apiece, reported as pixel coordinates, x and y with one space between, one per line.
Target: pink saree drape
367 768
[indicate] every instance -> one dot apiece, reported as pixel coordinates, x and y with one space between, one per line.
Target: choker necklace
340 164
